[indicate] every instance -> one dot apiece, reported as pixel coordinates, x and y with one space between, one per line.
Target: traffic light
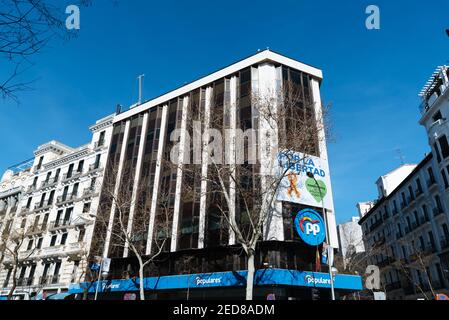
316 294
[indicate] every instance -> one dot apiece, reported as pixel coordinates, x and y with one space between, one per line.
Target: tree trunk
250 277
141 284
14 283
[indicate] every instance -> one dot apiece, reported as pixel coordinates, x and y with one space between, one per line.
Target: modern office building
406 232
49 206
202 257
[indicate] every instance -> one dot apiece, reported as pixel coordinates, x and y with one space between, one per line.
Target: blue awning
58 296
265 277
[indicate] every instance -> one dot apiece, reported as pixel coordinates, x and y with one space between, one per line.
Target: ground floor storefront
279 284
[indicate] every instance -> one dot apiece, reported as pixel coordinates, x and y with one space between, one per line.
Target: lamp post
331 276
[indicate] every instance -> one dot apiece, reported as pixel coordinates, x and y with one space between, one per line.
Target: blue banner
227 279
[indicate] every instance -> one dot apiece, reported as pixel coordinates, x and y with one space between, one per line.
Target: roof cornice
260 57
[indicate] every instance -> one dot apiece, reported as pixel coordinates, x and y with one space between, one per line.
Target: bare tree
26 28
245 193
129 228
13 239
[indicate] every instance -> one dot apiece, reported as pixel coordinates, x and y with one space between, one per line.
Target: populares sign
297 187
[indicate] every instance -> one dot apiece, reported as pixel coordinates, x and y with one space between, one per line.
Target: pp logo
313 228
310 227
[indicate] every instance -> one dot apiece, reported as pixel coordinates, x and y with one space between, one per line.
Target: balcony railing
25 282
65 198
71 176
49 280
94 167
49 183
99 144
59 224
444 243
431 182
437 211
33 230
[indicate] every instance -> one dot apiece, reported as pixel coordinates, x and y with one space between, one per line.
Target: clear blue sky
371 77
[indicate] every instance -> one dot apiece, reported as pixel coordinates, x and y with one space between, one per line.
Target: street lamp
331 275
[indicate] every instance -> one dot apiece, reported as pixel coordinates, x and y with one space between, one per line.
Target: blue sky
371 78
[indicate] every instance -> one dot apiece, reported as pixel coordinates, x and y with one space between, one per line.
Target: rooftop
259 57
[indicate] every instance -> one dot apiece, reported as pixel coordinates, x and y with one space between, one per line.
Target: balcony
58 225
375 225
69 177
433 91
25 282
444 243
94 168
89 192
418 193
431 182
423 220
60 200
42 206
49 280
49 183
35 230
437 211
99 144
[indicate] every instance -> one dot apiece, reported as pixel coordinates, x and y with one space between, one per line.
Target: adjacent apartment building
406 232
47 211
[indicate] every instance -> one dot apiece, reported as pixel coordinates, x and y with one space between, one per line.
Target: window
437 151
443 174
437 116
444 145
39 243
41 204
30 244
75 189
64 193
23 223
68 214
53 240
80 166
39 165
58 217
29 202
81 235
64 238
57 174
51 197
48 177
418 184
70 171
431 176
86 207
101 139
97 161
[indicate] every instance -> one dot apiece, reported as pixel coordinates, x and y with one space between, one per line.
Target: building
350 237
202 258
406 232
55 196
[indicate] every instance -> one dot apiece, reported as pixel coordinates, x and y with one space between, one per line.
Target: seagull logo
304 220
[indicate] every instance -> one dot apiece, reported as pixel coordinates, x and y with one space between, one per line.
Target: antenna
140 78
400 156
